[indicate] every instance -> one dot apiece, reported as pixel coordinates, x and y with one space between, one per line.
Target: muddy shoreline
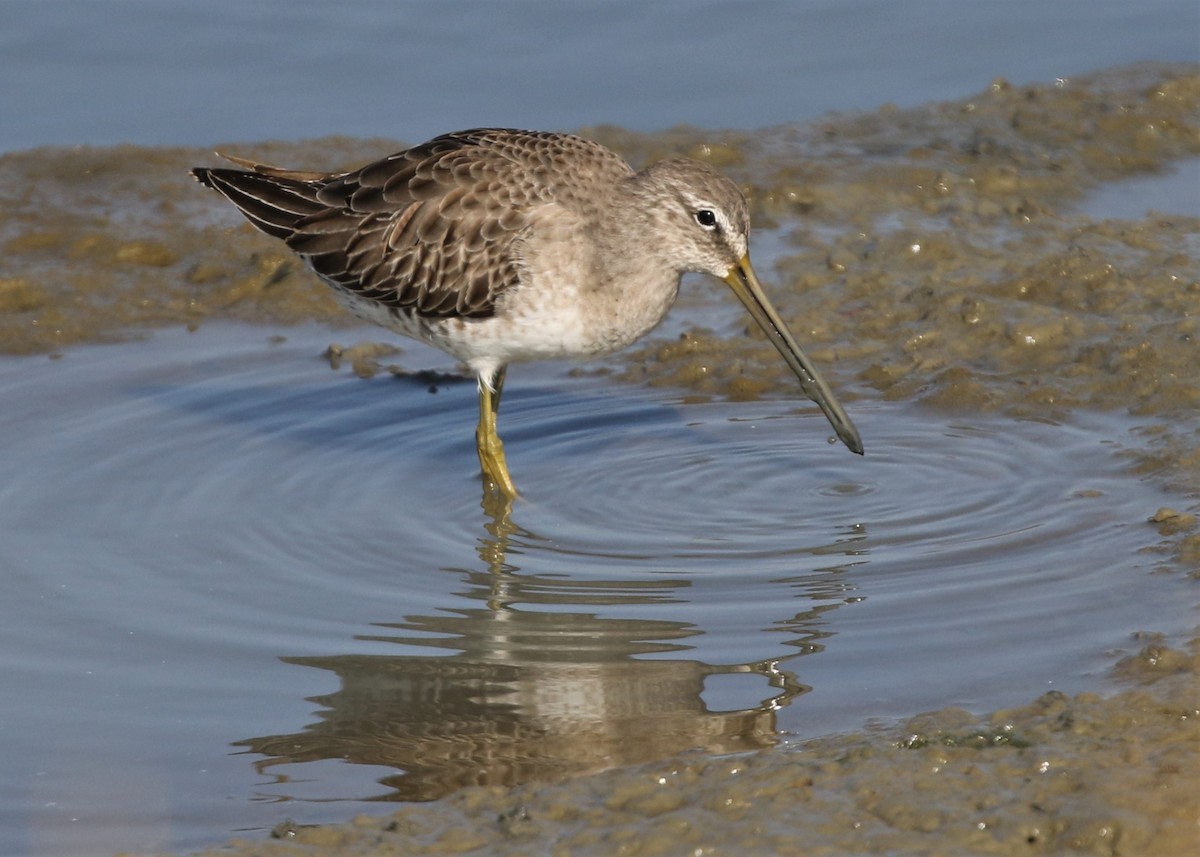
936 255
1061 775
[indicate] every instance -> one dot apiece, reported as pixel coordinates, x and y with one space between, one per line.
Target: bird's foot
495 475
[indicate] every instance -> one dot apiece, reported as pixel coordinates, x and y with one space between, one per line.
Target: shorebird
500 246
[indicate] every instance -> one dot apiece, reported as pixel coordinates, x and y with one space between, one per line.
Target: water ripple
213 518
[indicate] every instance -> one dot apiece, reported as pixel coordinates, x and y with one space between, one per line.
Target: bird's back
432 230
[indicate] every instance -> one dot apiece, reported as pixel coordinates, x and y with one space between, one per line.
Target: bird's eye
707 218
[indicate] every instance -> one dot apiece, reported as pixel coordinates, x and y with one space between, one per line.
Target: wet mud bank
944 255
1060 775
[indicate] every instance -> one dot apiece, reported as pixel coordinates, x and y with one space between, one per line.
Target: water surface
142 71
237 578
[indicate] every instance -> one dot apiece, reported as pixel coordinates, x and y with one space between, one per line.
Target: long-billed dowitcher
498 246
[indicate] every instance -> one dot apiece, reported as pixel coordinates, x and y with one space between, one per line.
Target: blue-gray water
152 72
218 552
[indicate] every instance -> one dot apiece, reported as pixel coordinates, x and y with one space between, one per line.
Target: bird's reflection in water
539 693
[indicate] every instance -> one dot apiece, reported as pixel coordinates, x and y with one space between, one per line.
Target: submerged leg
487 442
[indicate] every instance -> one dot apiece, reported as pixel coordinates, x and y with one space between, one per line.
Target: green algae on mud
101 241
934 254
98 240
966 279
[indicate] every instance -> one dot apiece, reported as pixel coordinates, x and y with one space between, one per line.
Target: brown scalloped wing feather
431 230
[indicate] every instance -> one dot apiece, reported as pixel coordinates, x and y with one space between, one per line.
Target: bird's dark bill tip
850 438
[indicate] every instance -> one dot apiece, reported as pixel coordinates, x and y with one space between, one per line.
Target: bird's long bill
742 279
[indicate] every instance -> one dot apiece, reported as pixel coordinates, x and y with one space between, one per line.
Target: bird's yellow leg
487 442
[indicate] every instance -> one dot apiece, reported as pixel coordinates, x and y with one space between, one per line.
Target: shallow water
236 578
142 71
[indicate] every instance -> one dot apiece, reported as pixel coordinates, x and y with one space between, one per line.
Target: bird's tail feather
271 198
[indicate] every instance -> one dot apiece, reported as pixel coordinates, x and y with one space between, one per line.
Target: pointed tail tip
202 175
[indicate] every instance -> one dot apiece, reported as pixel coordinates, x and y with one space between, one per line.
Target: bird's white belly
522 331
561 323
